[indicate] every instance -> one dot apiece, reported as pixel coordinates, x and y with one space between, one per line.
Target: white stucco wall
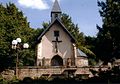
81 61
47 48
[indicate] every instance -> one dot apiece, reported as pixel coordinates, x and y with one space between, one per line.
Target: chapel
56 46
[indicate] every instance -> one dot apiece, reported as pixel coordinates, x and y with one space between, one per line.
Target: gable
62 26
49 43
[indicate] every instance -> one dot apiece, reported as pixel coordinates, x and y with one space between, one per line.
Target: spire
56 7
56 11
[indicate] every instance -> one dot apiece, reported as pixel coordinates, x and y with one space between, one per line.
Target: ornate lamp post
16 44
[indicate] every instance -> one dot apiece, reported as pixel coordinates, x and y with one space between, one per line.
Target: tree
108 40
13 24
90 43
79 36
73 29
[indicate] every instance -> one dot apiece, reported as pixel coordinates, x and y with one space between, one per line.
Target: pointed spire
56 11
56 7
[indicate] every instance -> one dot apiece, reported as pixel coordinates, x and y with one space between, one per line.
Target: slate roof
80 53
57 20
56 7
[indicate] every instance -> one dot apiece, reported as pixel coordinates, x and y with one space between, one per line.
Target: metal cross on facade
56 42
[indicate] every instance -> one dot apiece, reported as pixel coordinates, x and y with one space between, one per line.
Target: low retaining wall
37 72
34 72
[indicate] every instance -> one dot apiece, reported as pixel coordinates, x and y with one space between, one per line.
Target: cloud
34 4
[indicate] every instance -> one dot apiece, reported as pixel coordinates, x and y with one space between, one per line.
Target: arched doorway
56 61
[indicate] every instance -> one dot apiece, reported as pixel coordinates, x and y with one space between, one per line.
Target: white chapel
56 46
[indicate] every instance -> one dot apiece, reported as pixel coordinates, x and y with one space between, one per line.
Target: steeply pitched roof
80 53
59 22
56 7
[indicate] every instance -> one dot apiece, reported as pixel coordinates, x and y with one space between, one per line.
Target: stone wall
37 72
81 62
8 74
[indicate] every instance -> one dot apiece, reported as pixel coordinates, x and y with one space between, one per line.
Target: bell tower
56 11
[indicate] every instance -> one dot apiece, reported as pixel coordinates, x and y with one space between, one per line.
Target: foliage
45 25
13 81
108 76
81 40
73 29
13 24
90 43
108 40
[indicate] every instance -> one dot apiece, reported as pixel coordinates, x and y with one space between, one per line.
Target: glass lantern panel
18 40
25 45
14 42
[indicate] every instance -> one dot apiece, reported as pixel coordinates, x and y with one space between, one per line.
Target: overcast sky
83 12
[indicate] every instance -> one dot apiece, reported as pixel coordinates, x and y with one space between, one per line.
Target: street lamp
16 44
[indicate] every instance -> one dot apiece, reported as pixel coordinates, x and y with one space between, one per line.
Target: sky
85 13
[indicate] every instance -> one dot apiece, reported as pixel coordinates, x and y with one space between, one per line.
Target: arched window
56 61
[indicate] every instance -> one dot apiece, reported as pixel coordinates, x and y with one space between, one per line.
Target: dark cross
56 42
